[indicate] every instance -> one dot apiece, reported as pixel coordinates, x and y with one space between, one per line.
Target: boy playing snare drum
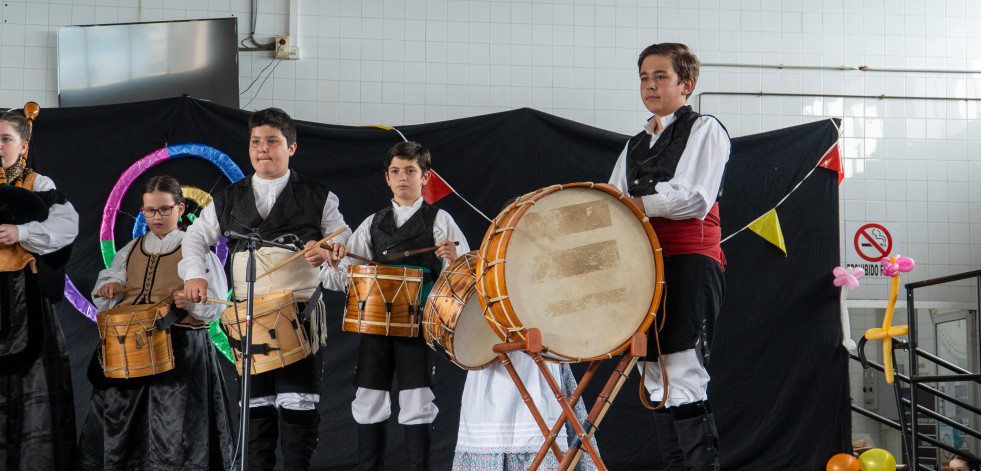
274 202
408 224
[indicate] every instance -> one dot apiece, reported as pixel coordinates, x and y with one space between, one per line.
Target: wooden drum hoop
453 320
492 282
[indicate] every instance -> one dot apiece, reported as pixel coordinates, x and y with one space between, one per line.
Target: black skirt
179 419
37 407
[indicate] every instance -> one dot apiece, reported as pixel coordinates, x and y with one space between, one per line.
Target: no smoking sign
867 244
873 242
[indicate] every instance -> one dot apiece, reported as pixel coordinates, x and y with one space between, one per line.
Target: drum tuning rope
664 375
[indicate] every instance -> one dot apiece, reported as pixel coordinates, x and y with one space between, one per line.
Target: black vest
298 210
416 233
647 166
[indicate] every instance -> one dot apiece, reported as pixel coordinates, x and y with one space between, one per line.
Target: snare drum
578 261
131 345
383 300
453 320
278 338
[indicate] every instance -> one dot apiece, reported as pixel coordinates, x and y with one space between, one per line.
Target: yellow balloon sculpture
891 266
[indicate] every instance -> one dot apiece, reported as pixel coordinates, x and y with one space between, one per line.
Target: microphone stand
254 242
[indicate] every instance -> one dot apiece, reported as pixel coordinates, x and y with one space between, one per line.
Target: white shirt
266 192
55 232
692 192
205 231
444 228
116 273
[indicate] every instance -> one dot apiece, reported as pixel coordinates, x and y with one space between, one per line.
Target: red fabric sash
691 236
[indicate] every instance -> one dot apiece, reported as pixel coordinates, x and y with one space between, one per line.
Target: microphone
256 238
237 235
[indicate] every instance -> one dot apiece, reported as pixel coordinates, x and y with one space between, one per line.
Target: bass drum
580 262
454 322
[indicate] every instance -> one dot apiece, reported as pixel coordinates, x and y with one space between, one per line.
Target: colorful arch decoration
106 231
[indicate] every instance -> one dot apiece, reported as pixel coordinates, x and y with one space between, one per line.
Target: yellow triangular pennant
768 227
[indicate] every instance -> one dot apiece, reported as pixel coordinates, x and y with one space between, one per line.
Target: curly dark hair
276 118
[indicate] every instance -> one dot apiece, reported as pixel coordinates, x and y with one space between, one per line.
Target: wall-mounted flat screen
118 63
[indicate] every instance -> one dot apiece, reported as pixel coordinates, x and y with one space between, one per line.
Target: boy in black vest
673 171
275 203
409 223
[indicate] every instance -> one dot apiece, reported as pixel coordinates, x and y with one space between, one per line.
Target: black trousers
694 287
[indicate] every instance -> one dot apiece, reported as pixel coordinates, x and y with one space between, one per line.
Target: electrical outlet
282 47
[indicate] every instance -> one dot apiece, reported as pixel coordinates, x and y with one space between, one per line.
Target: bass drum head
473 338
581 268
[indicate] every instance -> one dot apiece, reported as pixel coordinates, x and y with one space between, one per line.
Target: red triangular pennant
435 189
832 161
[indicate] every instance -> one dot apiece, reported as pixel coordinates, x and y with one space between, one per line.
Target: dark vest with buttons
416 233
649 165
298 210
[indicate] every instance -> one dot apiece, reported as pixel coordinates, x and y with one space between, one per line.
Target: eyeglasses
163 210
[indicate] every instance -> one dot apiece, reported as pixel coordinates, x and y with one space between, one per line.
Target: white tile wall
914 164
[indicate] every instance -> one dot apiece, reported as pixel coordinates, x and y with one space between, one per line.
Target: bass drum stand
584 430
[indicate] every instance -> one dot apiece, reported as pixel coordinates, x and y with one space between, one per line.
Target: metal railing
909 432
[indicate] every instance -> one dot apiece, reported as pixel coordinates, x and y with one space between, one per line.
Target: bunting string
775 207
767 225
437 181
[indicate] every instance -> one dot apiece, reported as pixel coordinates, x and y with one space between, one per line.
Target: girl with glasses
178 419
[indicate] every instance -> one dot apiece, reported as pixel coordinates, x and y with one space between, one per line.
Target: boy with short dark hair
408 223
274 202
673 171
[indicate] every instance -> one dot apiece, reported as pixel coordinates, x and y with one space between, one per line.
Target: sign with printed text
867 244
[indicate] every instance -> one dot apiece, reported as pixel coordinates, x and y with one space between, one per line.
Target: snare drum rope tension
388 314
162 301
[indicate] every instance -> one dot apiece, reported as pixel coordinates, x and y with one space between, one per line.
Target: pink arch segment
122 185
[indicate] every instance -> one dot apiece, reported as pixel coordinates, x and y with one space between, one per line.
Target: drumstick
176 292
409 253
127 290
210 300
356 257
302 252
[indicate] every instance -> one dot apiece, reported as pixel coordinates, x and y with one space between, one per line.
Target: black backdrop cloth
779 374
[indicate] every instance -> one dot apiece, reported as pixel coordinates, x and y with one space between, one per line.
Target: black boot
667 441
299 430
697 435
417 438
371 446
263 434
